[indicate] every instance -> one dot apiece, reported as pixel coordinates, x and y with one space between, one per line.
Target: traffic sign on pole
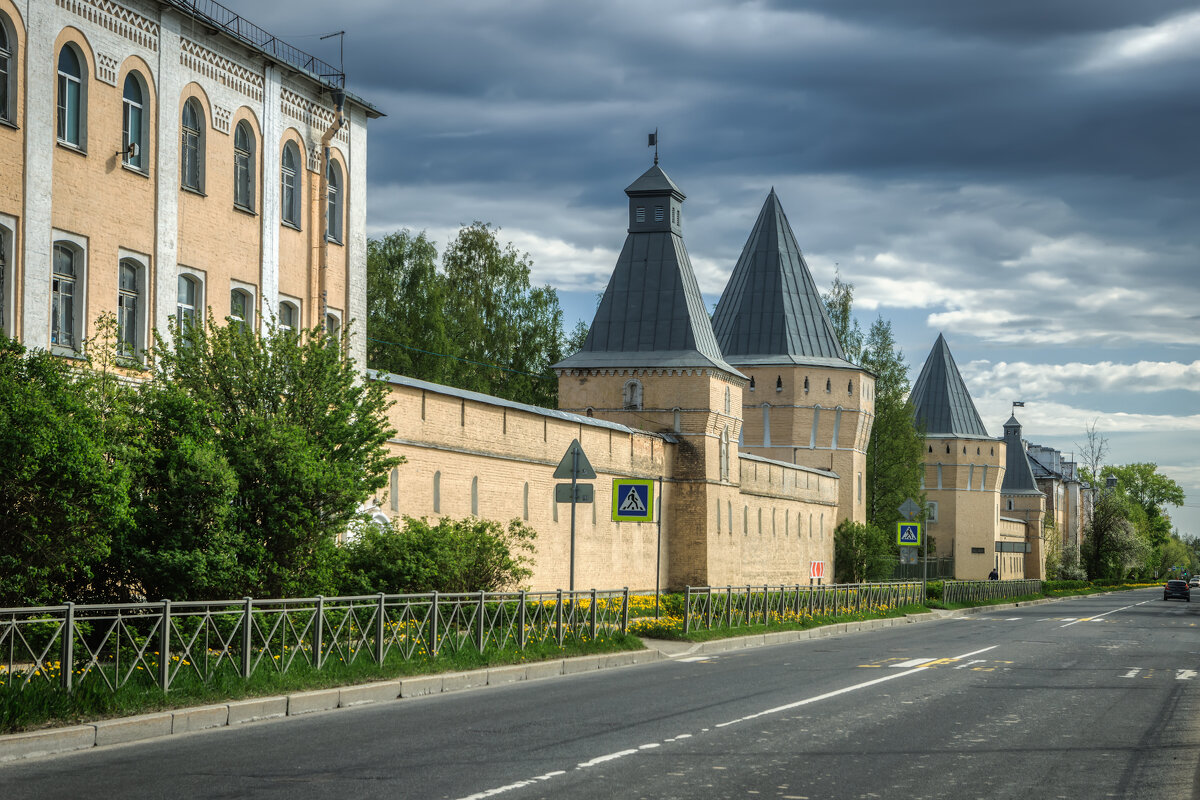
910 509
581 493
908 533
633 500
575 465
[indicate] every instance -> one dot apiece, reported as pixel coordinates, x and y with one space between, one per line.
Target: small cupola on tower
655 203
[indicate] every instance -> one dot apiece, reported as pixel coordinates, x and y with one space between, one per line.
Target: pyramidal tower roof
1018 473
771 311
940 398
652 313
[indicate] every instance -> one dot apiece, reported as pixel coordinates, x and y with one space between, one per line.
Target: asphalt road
1091 697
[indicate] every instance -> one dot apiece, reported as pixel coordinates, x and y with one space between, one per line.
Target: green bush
933 590
467 555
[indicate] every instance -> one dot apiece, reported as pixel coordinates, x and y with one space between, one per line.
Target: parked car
1176 588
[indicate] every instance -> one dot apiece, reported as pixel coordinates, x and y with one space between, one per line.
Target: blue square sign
908 533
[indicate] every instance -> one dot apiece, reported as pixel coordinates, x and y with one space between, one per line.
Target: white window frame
295 305
243 166
138 296
632 397
79 245
290 209
931 511
198 279
8 255
335 316
70 110
192 140
8 70
129 136
251 294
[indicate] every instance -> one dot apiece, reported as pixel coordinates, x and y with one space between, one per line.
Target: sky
1023 177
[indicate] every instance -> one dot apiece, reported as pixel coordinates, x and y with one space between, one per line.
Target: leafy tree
895 451
491 330
839 303
1112 546
1151 492
62 497
576 339
862 552
468 555
304 436
406 299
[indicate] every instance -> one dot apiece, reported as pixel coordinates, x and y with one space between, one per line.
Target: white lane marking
511 786
1133 672
602 759
1098 616
622 753
972 662
1068 619
1011 619
649 746
913 662
846 690
1184 674
691 659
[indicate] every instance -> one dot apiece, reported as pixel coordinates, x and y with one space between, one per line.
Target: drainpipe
339 100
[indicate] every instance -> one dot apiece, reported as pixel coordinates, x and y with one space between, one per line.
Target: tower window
632 398
779 383
658 213
639 214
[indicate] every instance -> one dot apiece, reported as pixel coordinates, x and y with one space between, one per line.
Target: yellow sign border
616 499
920 532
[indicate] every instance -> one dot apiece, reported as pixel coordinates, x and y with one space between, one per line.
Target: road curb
56 741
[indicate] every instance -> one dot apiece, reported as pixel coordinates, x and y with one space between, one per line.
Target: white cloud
1172 39
1025 380
1050 418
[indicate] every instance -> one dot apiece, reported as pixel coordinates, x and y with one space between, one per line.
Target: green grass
45 705
672 627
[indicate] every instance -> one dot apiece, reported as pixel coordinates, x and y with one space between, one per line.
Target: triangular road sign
575 464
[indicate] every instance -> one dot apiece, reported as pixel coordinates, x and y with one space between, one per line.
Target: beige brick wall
969 510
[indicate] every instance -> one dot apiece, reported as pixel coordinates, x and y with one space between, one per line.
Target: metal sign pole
574 478
658 552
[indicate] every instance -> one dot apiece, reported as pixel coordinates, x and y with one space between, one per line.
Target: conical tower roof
771 311
940 398
652 313
1018 473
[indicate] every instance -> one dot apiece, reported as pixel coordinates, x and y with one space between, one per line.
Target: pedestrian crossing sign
908 533
633 500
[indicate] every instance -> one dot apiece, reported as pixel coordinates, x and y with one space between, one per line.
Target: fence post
593 621
318 631
558 614
728 608
479 625
625 611
379 631
521 621
247 639
433 626
164 648
67 659
687 609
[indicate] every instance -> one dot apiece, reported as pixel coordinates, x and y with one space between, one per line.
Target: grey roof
652 313
940 398
1018 474
404 380
771 311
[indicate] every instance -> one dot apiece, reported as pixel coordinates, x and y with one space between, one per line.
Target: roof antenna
653 142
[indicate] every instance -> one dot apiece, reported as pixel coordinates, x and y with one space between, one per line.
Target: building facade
160 163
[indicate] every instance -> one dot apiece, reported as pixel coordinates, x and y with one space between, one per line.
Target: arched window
725 453
779 383
947 448
632 396
191 161
828 386
8 71
289 182
591 412
333 209
727 400
677 420
437 492
241 309
475 496
243 166
71 98
65 301
806 384
289 316
525 504
134 123
850 387
128 307
745 520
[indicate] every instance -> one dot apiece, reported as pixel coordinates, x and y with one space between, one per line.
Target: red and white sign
816 569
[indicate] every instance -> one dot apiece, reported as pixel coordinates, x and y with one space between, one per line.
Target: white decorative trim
221 118
314 159
116 18
204 61
311 114
107 68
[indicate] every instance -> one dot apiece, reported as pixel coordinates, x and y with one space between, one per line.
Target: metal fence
938 567
970 591
161 644
708 607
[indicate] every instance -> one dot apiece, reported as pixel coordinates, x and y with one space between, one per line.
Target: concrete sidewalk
50 741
